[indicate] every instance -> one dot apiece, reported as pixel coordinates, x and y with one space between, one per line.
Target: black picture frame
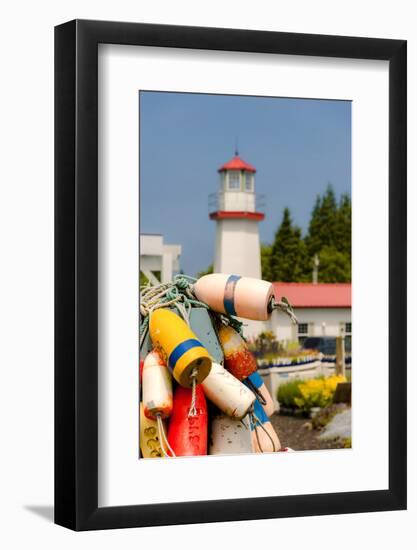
76 272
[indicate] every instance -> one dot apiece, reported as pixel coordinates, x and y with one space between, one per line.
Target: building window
248 182
234 180
348 337
302 330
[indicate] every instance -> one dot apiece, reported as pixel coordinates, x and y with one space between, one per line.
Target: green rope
179 295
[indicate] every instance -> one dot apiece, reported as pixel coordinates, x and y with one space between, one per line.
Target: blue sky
298 147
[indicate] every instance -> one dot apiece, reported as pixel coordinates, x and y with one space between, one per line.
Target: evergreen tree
290 258
287 252
266 262
313 239
323 223
343 228
335 266
206 271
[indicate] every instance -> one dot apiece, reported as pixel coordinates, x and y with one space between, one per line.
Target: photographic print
245 274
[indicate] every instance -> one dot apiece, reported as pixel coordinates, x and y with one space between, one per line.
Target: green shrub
309 393
288 391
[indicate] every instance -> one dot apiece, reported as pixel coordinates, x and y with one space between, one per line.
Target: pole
340 356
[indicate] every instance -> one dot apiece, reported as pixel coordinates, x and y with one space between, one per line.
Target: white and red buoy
156 387
235 295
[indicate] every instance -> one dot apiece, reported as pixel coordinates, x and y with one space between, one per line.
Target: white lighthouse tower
235 210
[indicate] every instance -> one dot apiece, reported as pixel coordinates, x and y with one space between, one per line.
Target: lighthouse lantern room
236 211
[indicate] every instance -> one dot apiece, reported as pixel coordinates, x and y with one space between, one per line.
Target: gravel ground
339 426
294 432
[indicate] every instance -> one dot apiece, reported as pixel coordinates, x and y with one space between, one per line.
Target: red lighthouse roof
237 164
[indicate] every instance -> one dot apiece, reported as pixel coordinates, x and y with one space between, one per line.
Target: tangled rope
178 294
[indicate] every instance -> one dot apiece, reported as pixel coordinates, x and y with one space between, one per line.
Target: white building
234 209
158 258
322 309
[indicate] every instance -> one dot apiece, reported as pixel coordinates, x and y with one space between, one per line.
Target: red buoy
141 362
187 434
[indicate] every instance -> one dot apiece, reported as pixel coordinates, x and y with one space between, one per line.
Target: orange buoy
185 355
229 435
150 444
156 387
187 434
227 392
238 359
234 295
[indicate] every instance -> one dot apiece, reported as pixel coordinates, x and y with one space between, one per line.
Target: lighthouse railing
239 201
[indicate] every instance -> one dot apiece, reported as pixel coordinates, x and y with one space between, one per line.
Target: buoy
234 295
227 392
238 359
264 437
186 356
149 441
187 434
229 435
141 362
157 395
156 387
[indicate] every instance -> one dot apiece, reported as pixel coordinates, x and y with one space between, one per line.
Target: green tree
287 252
205 272
335 266
323 223
329 236
266 262
343 226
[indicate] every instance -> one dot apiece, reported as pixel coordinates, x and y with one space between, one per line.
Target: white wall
26 287
280 324
240 201
157 256
238 247
332 317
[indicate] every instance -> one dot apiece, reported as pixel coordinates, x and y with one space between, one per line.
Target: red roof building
237 164
310 295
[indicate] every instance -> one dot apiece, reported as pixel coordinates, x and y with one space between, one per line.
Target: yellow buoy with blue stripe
186 356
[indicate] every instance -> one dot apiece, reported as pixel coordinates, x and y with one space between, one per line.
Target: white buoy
234 295
227 392
156 387
229 436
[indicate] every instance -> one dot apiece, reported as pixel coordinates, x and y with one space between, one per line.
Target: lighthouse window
223 181
248 182
234 180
